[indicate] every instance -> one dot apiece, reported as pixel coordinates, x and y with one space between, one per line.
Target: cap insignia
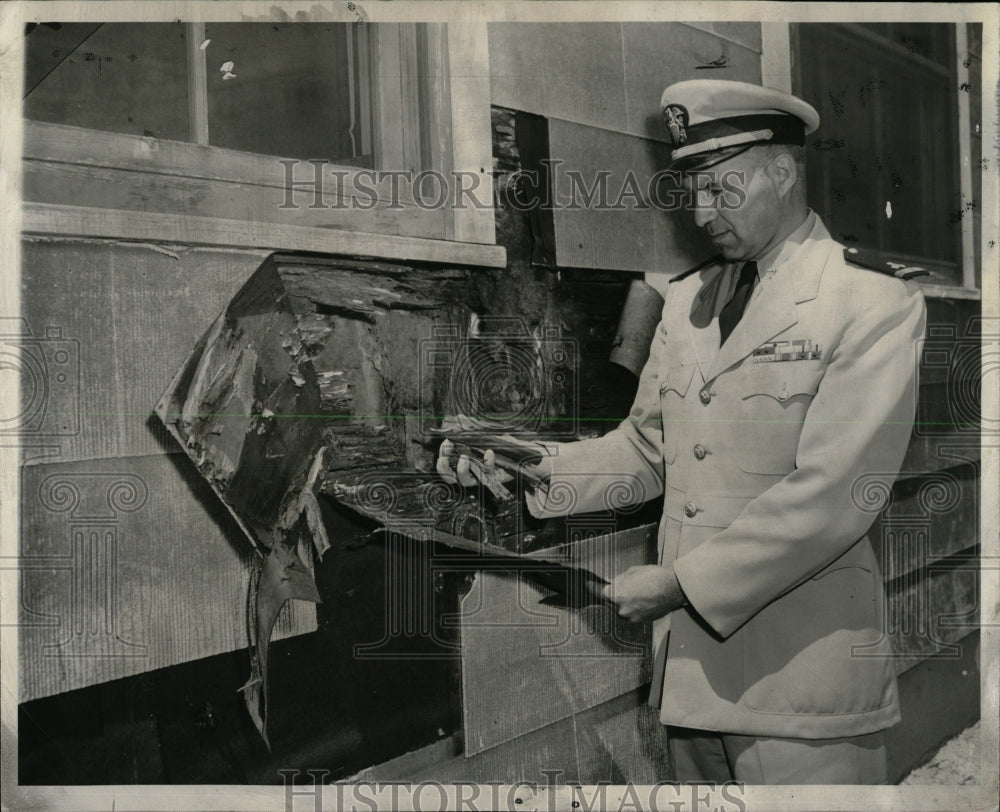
676 118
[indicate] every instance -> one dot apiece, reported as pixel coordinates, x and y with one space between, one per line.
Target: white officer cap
710 120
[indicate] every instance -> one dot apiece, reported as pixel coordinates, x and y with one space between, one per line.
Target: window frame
780 68
430 111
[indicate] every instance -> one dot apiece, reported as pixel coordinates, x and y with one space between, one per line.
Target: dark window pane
929 40
293 90
883 168
121 77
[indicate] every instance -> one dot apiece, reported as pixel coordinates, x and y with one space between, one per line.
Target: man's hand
645 593
464 471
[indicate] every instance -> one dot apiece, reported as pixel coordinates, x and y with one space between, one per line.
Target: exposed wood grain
197 84
77 146
395 127
128 313
324 204
128 565
435 122
112 223
408 101
469 72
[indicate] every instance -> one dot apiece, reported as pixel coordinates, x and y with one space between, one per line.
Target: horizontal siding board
659 54
638 235
62 220
932 516
564 70
132 313
930 613
129 565
62 144
557 662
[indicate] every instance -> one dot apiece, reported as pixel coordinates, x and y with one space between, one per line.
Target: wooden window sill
935 291
82 221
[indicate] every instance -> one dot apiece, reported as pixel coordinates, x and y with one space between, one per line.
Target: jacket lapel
771 312
704 335
774 309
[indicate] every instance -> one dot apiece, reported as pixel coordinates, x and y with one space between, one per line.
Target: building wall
110 490
611 75
598 87
137 310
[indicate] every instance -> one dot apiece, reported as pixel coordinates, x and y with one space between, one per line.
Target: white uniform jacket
766 467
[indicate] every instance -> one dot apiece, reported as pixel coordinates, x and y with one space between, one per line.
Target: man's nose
704 212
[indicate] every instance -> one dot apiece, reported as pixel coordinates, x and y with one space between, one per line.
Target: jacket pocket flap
784 381
677 379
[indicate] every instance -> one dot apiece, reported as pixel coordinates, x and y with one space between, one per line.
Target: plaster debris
956 763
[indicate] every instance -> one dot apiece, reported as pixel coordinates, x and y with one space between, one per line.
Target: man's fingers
445 471
461 473
464 473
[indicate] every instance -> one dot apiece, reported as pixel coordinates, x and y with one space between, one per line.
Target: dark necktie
733 311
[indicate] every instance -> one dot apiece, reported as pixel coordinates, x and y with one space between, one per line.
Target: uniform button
663 388
690 509
699 451
705 396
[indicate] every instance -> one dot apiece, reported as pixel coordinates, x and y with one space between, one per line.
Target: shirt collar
775 257
783 251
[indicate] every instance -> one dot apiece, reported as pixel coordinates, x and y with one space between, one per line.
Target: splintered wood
301 377
330 379
307 376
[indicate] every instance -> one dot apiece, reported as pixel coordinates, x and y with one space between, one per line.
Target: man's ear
783 172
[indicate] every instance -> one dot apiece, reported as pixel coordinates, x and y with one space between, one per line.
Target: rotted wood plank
295 380
309 371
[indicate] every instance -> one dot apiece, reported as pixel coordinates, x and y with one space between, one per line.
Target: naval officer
780 379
